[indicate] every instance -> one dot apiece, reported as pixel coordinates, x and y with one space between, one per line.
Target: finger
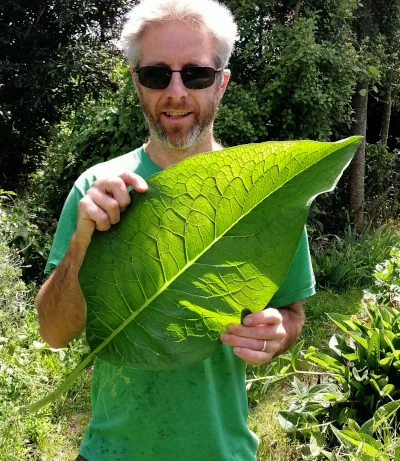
134 180
253 357
277 331
89 211
114 187
271 346
270 316
106 203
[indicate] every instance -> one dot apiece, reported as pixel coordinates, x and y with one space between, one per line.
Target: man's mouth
177 115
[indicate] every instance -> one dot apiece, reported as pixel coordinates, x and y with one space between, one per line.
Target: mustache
173 107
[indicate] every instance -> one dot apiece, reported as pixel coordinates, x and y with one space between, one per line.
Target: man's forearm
60 302
293 321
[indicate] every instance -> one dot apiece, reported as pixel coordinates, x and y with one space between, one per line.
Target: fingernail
248 321
224 337
142 184
237 350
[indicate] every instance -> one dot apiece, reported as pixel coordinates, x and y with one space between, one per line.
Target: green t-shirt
197 413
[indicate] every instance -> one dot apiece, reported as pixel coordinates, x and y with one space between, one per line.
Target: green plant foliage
356 408
214 235
21 221
299 91
382 183
28 366
350 261
192 242
242 117
303 69
13 291
382 194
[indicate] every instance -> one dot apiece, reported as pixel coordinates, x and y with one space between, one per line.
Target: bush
382 183
350 261
21 220
13 291
28 367
354 411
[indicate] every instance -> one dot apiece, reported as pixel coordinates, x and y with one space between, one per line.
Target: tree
300 69
53 56
388 14
376 32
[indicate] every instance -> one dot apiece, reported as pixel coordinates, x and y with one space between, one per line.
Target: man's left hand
260 330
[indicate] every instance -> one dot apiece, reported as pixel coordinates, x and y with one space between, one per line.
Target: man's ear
224 82
133 74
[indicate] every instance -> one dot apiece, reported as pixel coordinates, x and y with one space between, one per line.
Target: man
178 52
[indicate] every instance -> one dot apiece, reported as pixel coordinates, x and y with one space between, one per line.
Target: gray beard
202 126
158 132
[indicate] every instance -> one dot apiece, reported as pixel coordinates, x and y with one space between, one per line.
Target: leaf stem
63 387
296 372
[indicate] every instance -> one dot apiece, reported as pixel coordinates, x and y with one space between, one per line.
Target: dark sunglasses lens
156 78
197 78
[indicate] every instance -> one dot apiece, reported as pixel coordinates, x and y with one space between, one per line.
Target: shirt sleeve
299 282
65 229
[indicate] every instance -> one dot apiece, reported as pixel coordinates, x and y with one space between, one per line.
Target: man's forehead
174 44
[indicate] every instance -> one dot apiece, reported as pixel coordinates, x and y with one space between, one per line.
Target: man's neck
165 157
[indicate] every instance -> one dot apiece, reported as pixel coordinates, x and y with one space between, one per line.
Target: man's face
176 45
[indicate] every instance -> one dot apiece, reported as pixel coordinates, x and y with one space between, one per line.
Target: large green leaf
382 414
215 234
363 443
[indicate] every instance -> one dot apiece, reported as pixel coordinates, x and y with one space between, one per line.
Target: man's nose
176 89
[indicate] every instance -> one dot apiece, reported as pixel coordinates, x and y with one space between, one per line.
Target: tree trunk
297 10
363 27
387 109
357 174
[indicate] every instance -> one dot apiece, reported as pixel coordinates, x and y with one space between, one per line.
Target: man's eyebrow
159 64
195 64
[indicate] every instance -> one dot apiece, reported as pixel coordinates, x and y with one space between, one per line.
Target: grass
263 420
318 328
28 370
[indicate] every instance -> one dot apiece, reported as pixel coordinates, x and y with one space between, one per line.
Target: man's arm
279 328
60 303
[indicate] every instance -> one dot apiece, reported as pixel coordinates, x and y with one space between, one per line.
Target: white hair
205 15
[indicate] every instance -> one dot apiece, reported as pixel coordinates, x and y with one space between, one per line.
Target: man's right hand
104 202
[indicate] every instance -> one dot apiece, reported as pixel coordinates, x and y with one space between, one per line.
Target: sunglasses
194 78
